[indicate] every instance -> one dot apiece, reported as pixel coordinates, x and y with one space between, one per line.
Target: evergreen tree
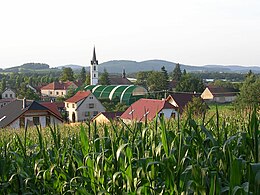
87 81
67 74
104 79
166 78
83 75
176 74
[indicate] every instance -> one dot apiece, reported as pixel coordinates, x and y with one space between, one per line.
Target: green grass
216 156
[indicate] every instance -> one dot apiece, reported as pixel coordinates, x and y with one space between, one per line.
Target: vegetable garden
215 155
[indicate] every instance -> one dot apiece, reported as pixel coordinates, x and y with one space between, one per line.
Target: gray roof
14 110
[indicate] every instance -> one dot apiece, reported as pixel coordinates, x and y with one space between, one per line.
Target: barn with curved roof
123 93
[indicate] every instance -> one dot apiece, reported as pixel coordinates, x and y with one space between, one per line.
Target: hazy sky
194 32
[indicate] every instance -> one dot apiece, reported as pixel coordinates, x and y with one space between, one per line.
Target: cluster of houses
86 104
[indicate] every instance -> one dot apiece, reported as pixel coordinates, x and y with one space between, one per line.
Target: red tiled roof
145 108
78 96
59 85
52 107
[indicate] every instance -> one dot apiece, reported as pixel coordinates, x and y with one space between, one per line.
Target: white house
219 94
20 113
83 106
58 89
8 94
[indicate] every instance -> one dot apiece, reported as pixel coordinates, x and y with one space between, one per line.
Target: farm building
123 93
219 94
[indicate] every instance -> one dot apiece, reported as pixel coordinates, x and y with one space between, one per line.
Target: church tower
94 70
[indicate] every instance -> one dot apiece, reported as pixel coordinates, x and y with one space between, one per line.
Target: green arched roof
123 92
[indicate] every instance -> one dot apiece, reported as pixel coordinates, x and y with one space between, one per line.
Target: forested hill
28 67
117 66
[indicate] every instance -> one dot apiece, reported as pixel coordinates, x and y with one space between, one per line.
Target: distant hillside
28 67
117 66
72 66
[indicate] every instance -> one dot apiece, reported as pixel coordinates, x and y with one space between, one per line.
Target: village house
219 94
58 89
180 100
8 94
106 117
147 109
83 106
21 113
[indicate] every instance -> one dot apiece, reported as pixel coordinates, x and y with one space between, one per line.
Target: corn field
218 155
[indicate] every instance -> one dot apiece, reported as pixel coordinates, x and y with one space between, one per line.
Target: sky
194 32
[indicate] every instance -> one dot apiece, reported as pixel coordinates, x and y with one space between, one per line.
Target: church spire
94 69
94 58
123 74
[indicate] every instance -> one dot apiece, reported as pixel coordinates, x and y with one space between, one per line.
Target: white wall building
8 94
83 106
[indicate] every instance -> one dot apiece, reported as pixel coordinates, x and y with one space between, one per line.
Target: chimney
24 103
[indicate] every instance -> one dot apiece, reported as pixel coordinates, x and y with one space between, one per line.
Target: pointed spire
94 58
123 74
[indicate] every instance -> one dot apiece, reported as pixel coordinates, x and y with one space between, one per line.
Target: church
120 88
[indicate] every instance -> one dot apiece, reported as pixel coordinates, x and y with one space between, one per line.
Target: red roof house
56 89
148 109
83 106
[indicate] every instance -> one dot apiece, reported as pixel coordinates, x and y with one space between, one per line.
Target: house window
73 105
22 122
91 105
36 120
94 75
11 95
91 97
57 93
87 113
62 93
95 113
161 114
6 95
51 92
94 67
48 120
67 105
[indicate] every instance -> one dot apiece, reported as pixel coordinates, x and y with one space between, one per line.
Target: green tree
83 75
189 83
3 84
196 107
156 81
87 81
249 96
166 78
67 74
141 78
104 79
176 74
